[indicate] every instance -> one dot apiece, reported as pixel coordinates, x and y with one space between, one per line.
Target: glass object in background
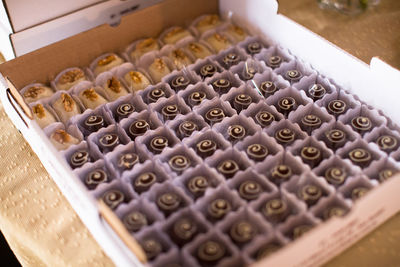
350 7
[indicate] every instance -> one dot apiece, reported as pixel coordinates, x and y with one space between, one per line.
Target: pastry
286 105
300 230
62 140
334 212
360 157
158 69
66 107
143 47
361 124
36 92
218 41
359 192
310 122
179 58
267 250
175 34
337 107
335 138
207 22
42 116
207 70
114 89
136 81
91 99
236 32
70 78
281 173
95 177
285 136
107 62
198 50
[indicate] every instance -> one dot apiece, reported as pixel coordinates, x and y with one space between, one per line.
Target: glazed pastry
179 58
236 32
143 47
95 177
197 185
175 34
79 158
134 221
218 41
210 252
242 232
207 22
183 231
158 69
114 89
36 92
123 111
91 99
136 81
168 203
144 181
42 116
198 50
108 142
70 78
62 140
66 107
107 62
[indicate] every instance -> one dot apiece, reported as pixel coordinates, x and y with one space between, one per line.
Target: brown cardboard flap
43 64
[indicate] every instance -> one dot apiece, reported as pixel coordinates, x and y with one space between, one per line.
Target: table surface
42 228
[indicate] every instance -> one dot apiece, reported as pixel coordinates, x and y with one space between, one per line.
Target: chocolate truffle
168 202
95 177
206 148
93 123
198 50
214 115
242 232
221 86
134 221
113 198
208 70
230 59
236 132
281 173
360 157
34 93
334 212
123 111
186 129
138 128
144 181
268 88
210 252
387 143
300 230
108 142
264 118
152 248
358 192
284 136
70 78
250 190
242 101
257 152
218 208
337 107
336 175
183 231
228 168
310 193
179 82
311 155
136 80
158 143
198 185
254 48
316 92
179 163
361 124
267 250
155 94
286 105
274 61
310 122
196 98
275 210
335 138
293 76
126 161
79 158
169 112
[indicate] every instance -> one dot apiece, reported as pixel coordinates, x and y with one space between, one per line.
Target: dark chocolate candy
210 252
126 161
79 158
158 143
152 248
264 118
267 250
310 193
276 210
138 128
230 59
359 192
385 174
336 107
134 221
242 231
221 86
214 115
335 138
387 143
293 75
281 173
179 82
179 163
169 112
248 73
360 157
284 136
254 48
168 202
113 198
228 168
361 124
300 230
257 152
108 142
206 148
144 181
123 111
196 98
208 70
155 94
268 88
93 123
184 230
316 91
218 208
311 155
310 122
250 190
236 132
334 212
242 101
186 129
335 175
198 185
95 177
274 61
286 105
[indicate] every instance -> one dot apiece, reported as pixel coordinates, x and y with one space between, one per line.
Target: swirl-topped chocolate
211 252
250 190
198 185
95 177
248 73
385 174
196 98
144 181
168 202
361 124
124 110
274 61
126 161
113 198
267 250
134 221
214 115
311 155
179 82
257 152
221 86
300 230
230 59
387 143
186 128
284 136
336 107
242 101
358 192
254 47
152 248
93 123
108 142
293 75
310 193
206 148
268 88
275 210
335 175
179 163
138 128
316 91
218 208
360 156
208 70
183 230
311 122
264 118
335 138
286 105
155 94
228 168
236 132
169 112
78 158
334 212
158 143
281 173
242 231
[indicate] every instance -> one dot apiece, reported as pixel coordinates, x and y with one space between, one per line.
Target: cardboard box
318 246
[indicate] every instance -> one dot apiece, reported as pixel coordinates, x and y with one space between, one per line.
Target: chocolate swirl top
359 155
310 153
144 181
264 118
94 122
196 98
169 112
152 248
231 59
293 75
179 82
211 251
300 230
236 132
248 73
113 198
386 174
228 167
127 160
310 193
281 172
335 175
184 229
208 70
109 141
134 221
335 136
197 185
168 202
219 208
334 212
268 88
95 178
387 143
254 48
242 231
155 94
138 127
267 250
359 192
316 91
361 124
124 110
311 120
257 152
221 86
274 61
284 136
179 163
273 207
242 101
337 107
158 143
286 104
206 147
186 128
78 158
250 190
214 115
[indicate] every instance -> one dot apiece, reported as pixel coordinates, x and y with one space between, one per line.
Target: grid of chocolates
218 157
